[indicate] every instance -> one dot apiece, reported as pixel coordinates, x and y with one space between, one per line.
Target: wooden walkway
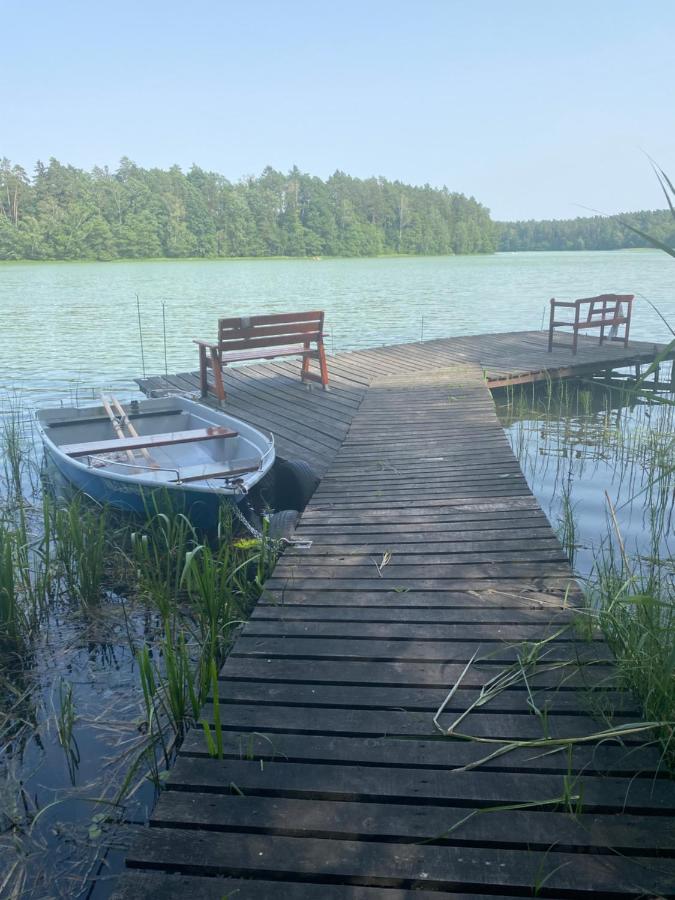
311 425
428 551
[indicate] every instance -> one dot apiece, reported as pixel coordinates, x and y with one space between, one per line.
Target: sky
538 110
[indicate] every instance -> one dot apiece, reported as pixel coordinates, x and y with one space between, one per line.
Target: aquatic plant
626 443
634 601
80 540
65 724
11 613
567 529
158 550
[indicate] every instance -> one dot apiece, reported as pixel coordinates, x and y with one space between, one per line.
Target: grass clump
634 601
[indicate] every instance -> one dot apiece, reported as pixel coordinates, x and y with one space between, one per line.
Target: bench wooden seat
604 311
247 338
95 448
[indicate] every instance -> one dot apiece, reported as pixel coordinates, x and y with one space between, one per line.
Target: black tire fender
296 481
282 524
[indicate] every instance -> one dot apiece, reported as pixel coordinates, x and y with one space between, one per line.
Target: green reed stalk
11 614
65 725
80 536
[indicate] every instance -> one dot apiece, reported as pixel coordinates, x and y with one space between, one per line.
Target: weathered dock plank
428 552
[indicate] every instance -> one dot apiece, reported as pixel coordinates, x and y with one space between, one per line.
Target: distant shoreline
307 259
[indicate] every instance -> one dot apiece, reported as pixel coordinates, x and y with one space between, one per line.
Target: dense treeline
591 233
66 213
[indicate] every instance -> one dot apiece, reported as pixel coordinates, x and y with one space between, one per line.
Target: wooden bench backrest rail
94 448
248 337
269 331
605 306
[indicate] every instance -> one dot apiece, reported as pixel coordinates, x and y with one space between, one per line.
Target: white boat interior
176 441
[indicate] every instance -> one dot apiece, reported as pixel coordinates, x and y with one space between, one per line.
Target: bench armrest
209 344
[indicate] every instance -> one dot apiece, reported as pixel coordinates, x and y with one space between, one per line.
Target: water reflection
584 447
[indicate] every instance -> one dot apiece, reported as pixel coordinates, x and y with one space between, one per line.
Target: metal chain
272 542
245 522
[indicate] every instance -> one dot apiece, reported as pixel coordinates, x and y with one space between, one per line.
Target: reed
593 434
158 550
80 540
65 725
567 528
634 601
11 612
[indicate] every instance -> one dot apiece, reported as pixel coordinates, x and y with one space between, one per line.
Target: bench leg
304 371
203 372
323 366
216 366
575 340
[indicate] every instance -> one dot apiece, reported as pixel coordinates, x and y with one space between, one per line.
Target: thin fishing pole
140 332
166 368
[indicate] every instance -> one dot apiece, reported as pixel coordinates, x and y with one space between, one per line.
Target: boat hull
203 509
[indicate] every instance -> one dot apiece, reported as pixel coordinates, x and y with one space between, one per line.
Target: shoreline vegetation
62 213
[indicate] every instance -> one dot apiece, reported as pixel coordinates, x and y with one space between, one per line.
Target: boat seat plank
216 470
93 420
92 448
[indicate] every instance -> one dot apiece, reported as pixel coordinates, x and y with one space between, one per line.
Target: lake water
69 328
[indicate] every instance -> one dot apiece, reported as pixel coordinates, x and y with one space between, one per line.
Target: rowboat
150 454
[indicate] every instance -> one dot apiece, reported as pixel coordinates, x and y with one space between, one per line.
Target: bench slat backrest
604 306
250 332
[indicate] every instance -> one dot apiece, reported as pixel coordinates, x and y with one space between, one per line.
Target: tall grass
80 541
11 611
633 598
202 593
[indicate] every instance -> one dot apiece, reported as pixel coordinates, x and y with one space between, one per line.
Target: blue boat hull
201 507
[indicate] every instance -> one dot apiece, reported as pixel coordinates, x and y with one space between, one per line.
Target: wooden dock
428 551
311 425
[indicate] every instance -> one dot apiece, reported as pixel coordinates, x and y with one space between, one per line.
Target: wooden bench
604 311
263 337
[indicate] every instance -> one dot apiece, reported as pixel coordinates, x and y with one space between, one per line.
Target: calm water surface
70 328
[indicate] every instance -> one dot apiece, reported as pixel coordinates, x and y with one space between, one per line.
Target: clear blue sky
533 108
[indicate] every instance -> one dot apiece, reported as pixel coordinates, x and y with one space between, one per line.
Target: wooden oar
132 431
116 425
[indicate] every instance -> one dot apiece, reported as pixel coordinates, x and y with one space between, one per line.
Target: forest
588 233
61 212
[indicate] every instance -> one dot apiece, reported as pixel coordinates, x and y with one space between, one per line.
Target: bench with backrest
263 337
604 311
